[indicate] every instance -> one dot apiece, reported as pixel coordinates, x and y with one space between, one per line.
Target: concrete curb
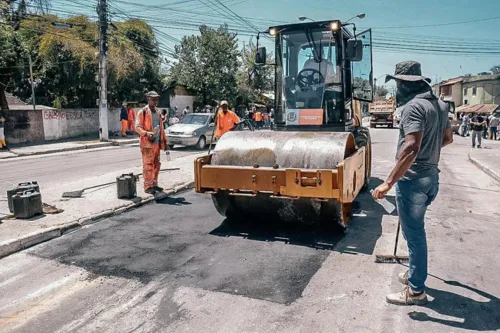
15 245
82 147
493 174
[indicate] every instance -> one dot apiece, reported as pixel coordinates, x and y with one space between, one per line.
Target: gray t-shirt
424 113
494 121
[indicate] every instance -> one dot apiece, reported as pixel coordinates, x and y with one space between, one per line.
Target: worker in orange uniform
152 139
258 119
124 120
131 118
265 117
226 120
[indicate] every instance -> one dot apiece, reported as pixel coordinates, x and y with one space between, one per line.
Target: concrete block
39 237
10 246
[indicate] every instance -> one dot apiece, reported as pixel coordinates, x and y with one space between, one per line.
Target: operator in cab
226 120
324 66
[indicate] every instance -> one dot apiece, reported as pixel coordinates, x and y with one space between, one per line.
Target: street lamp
303 18
360 16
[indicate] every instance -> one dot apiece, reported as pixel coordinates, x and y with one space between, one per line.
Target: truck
382 113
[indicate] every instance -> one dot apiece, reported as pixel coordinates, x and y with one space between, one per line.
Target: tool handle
397 237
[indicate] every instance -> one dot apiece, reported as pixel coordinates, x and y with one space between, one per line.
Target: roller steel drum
304 150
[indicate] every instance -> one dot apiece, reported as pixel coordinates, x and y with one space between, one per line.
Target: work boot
407 297
158 189
150 190
403 277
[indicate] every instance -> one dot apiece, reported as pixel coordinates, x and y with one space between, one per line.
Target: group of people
127 119
480 125
261 119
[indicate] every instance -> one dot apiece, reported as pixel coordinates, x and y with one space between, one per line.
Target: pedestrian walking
164 118
3 144
124 120
152 140
424 129
185 111
226 120
464 128
131 118
486 126
477 123
494 123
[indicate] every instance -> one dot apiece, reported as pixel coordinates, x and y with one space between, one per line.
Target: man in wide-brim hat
424 130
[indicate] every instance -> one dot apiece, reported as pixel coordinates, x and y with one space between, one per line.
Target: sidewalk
487 158
56 147
94 204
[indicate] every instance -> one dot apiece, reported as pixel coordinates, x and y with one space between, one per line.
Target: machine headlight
334 26
190 133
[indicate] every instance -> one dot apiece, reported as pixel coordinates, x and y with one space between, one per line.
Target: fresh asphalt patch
185 241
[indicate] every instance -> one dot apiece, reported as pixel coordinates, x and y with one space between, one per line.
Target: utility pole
32 83
102 10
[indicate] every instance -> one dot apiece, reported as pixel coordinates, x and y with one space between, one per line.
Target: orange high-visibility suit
225 122
131 118
150 150
258 116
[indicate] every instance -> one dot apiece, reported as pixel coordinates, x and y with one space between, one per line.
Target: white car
196 129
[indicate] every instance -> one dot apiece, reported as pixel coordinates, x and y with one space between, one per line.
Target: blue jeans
412 199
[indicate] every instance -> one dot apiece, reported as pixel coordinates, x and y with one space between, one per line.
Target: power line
439 24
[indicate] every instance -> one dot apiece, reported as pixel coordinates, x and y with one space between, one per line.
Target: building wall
181 101
452 92
456 94
24 126
28 126
485 92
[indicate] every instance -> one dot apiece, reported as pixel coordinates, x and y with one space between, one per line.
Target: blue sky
389 20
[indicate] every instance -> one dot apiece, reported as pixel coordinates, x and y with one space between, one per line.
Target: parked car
196 129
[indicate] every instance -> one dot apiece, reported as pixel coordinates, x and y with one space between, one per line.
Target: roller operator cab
318 158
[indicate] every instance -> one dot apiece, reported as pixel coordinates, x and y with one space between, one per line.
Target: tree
208 64
495 69
381 92
66 61
253 80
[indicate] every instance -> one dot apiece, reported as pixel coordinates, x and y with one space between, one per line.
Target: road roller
317 159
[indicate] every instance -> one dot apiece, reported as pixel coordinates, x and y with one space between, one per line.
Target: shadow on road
361 237
471 314
174 201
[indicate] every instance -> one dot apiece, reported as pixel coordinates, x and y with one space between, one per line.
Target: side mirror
354 50
261 56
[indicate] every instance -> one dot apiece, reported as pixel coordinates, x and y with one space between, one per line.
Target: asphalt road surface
71 166
177 266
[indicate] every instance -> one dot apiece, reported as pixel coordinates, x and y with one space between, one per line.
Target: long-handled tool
79 193
394 258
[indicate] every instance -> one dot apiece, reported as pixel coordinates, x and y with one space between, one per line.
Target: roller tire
363 139
330 219
223 203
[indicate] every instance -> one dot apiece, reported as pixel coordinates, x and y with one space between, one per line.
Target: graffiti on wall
70 115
